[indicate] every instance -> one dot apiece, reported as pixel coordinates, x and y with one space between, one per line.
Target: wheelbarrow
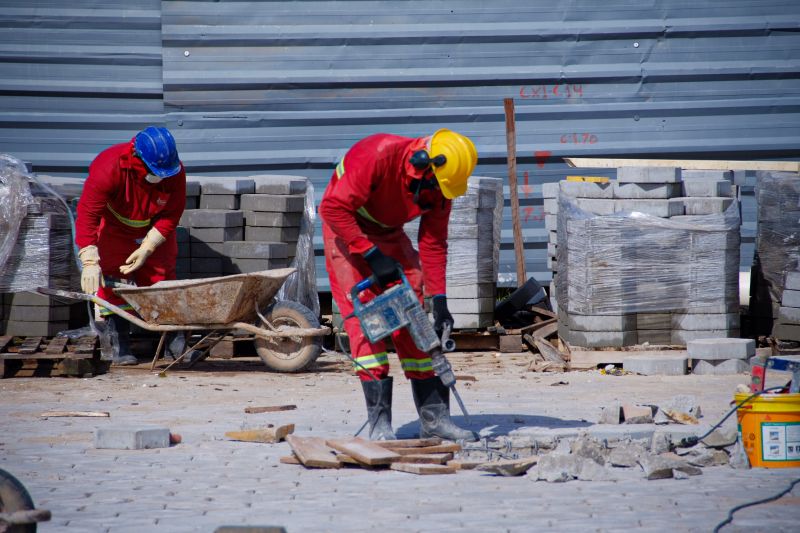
288 338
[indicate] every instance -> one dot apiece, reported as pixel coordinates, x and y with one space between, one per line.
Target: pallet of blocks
649 258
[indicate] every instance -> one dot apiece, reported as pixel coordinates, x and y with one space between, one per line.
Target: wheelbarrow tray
218 300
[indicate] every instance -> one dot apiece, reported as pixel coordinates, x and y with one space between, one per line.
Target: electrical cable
729 518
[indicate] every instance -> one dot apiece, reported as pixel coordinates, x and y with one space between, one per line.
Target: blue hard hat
156 147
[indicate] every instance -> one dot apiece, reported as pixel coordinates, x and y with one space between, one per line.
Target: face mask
152 178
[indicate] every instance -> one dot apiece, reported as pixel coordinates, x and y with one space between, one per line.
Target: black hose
729 519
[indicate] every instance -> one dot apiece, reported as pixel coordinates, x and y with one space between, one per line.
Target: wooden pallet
50 356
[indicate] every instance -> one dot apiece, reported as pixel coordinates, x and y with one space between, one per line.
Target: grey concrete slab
704 321
34 329
212 218
654 336
648 174
272 219
712 175
706 188
684 336
472 320
550 190
720 367
470 305
792 281
56 313
237 265
661 365
644 191
596 206
219 201
705 206
131 438
279 184
784 331
266 234
790 298
192 188
273 203
472 290
650 321
256 250
597 323
223 184
601 339
217 234
586 189
721 348
657 208
199 248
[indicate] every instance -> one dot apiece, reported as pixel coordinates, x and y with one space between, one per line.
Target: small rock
626 455
721 438
563 447
589 448
637 414
677 474
509 467
661 442
708 457
738 457
662 466
556 468
590 470
611 414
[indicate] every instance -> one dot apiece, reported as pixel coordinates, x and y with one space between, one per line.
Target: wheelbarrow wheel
289 354
14 497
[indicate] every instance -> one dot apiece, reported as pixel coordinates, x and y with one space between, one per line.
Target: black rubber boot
432 399
379 408
119 334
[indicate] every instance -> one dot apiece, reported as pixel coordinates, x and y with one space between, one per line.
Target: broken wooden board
269 409
313 452
57 414
465 464
266 435
413 468
408 443
548 351
364 451
439 448
686 164
425 458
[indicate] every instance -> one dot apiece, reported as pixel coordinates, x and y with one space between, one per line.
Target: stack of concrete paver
647 257
777 251
721 356
788 323
473 252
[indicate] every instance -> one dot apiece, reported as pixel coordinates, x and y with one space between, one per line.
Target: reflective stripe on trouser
345 270
371 362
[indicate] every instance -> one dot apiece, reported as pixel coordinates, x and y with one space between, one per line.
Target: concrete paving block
272 219
695 321
266 234
706 188
34 329
28 299
126 438
713 175
206 249
223 184
192 202
648 174
256 250
472 320
577 322
550 206
219 201
789 315
654 336
791 298
279 184
472 290
238 265
600 339
470 305
611 414
550 190
207 265
644 191
217 234
786 332
720 367
721 348
182 234
656 208
282 203
54 313
792 282
596 206
586 189
661 365
552 237
192 188
212 218
551 222
705 206
650 321
683 337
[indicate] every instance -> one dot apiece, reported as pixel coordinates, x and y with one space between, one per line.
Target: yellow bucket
769 429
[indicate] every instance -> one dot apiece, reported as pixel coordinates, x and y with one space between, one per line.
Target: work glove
91 275
384 268
151 241
441 315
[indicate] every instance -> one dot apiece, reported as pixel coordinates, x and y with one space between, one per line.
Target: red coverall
116 210
366 204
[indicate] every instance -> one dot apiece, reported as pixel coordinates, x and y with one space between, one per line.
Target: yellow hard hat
461 160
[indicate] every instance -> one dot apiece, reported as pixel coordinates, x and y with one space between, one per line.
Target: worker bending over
125 230
381 183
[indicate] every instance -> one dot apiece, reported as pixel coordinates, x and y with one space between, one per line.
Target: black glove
384 268
441 315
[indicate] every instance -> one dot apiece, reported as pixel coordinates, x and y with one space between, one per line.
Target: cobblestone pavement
208 481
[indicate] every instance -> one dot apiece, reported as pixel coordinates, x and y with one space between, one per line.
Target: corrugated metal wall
288 86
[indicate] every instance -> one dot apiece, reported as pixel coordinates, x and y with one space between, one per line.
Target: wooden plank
30 345
364 451
544 312
516 225
510 343
408 443
86 344
465 464
56 345
548 351
686 164
425 458
58 414
546 330
467 341
313 452
43 355
290 460
439 448
269 409
413 468
268 435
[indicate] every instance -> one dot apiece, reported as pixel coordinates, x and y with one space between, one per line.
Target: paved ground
208 481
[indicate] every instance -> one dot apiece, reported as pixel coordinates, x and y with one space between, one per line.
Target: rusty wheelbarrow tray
218 303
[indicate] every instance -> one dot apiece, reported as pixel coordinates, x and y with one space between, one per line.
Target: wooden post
511 142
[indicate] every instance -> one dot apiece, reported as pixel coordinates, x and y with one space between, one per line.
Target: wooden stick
686 164
55 414
268 435
269 409
511 144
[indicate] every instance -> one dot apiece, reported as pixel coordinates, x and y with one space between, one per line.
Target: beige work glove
91 275
151 241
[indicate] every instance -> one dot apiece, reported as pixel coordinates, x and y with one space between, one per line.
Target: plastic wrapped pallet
15 197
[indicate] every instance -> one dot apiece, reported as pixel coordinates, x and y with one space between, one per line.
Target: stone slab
683 336
661 365
223 184
706 188
550 190
217 234
199 248
787 332
648 175
644 191
720 367
273 202
279 184
598 323
219 201
712 175
596 206
791 298
705 206
789 315
586 189
600 339
656 208
126 438
703 321
256 250
472 290
792 282
273 219
470 305
721 348
267 234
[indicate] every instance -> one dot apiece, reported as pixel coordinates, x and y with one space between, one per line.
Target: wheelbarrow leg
206 351
158 350
191 349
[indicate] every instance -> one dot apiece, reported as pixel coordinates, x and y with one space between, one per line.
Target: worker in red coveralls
125 229
381 183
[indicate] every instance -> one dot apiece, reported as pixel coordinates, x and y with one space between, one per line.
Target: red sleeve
343 198
433 248
96 193
170 217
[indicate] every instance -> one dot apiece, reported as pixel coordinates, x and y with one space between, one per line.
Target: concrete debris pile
651 257
473 252
776 272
